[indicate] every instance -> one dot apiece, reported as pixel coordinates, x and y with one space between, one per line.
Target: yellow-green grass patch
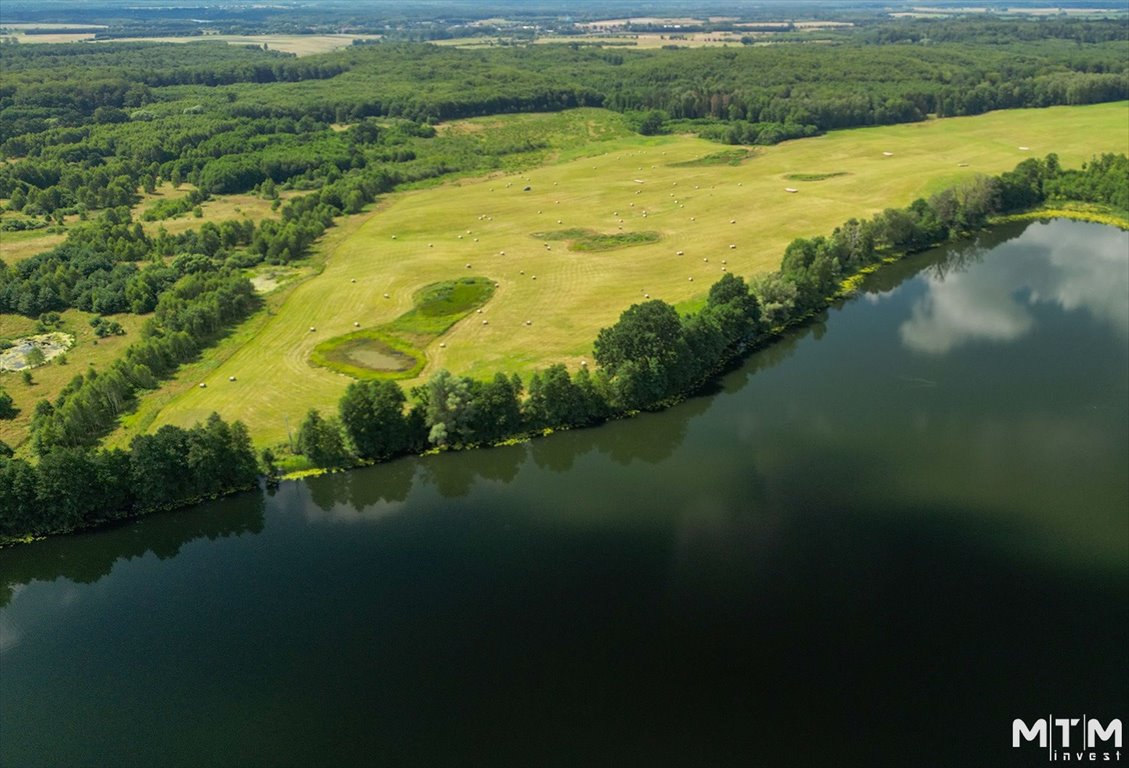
216 209
413 239
17 246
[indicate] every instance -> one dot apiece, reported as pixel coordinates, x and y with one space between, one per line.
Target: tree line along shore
650 358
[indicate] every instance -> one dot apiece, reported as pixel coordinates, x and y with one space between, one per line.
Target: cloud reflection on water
993 302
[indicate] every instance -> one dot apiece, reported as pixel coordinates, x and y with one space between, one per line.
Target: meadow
550 301
48 380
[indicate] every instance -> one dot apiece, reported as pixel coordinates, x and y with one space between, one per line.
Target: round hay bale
231 378
679 253
529 322
356 325
442 345
203 385
393 237
387 296
486 322
353 280
312 329
732 246
534 277
468 266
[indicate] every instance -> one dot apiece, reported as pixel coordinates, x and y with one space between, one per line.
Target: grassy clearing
17 246
701 211
216 210
814 176
727 157
49 380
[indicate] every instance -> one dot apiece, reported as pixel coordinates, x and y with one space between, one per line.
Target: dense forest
87 129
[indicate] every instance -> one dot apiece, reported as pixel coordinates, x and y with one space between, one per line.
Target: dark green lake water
876 543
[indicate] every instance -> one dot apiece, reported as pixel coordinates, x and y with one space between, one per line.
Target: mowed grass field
484 227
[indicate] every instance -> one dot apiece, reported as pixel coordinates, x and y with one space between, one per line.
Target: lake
876 543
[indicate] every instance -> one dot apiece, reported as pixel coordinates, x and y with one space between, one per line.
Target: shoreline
847 287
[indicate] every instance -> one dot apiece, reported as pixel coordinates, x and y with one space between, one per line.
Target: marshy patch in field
395 350
814 176
366 350
725 157
591 240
